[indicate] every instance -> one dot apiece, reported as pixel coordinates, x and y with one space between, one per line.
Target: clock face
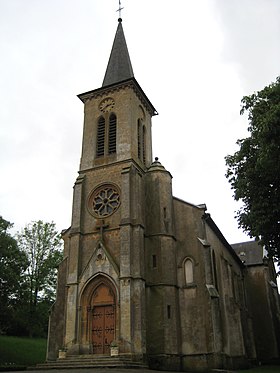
107 104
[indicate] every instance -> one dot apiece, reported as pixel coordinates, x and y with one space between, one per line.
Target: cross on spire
120 9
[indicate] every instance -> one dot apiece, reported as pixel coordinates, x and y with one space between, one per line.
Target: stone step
48 366
93 361
88 361
121 357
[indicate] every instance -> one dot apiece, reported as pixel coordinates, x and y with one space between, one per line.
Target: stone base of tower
165 362
209 361
197 363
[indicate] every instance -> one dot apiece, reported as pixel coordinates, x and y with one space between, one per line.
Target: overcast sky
195 60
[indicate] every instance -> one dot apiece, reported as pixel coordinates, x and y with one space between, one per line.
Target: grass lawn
20 352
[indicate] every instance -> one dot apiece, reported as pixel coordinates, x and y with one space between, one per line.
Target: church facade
142 269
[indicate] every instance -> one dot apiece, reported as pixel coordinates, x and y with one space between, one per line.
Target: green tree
42 245
13 263
254 170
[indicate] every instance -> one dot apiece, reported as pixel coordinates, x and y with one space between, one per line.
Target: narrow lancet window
139 138
168 311
144 145
154 258
112 140
214 265
100 146
188 271
141 141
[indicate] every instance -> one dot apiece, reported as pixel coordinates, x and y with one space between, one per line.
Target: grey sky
194 60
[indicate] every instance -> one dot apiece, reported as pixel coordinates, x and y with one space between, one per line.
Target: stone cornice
128 83
130 161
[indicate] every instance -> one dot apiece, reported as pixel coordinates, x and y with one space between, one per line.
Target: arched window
188 267
112 141
100 146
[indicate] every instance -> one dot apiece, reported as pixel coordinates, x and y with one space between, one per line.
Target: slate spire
119 66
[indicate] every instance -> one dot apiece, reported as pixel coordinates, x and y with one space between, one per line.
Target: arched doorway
98 316
103 319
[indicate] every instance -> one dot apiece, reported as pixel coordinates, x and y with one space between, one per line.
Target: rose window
105 200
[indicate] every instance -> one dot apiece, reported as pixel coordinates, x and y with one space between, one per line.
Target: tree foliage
254 170
13 264
41 243
28 266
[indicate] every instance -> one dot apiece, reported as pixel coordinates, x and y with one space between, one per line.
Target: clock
107 104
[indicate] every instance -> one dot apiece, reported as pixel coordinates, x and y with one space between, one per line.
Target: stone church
146 271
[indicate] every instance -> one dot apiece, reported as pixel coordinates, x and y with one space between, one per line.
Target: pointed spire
119 66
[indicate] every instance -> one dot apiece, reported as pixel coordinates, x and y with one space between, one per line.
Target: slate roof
250 252
119 66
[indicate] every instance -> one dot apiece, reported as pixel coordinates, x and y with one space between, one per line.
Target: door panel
103 328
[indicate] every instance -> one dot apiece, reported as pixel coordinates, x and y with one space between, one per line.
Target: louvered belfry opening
141 141
106 140
144 145
139 138
112 141
100 146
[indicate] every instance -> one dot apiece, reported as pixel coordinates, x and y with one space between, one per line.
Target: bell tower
103 272
117 122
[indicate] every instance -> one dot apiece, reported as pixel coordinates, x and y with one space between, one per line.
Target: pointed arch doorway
98 316
103 319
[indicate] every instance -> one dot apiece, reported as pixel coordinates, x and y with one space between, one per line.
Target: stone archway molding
90 313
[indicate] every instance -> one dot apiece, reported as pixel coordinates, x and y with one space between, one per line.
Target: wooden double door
103 320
